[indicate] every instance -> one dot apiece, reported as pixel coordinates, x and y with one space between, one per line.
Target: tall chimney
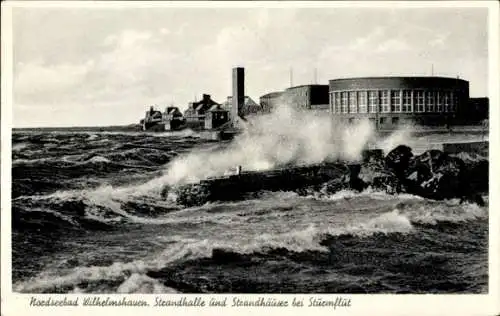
238 92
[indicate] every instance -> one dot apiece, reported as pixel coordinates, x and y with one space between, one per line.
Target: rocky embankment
433 174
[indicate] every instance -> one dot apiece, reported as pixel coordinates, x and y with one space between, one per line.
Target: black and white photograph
224 149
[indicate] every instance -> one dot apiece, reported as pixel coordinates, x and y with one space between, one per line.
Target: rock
308 191
356 183
193 194
165 190
349 180
398 160
372 168
335 185
223 256
446 181
374 173
437 175
388 182
372 155
476 171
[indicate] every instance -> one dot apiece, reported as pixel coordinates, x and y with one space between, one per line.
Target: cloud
367 42
35 79
79 64
439 41
127 38
131 71
165 31
379 40
392 45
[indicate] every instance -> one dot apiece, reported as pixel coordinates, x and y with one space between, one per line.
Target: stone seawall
480 148
434 174
477 147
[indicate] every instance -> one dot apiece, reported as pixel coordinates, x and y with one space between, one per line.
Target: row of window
382 120
396 120
393 101
298 93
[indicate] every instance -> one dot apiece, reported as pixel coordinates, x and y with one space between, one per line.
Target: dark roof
410 82
216 107
308 85
399 77
272 94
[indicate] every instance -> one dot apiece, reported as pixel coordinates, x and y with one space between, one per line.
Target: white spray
283 137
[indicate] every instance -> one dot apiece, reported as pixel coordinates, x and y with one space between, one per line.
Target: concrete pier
481 148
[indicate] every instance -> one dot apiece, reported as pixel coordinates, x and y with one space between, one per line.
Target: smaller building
151 118
216 116
196 110
173 118
155 120
172 112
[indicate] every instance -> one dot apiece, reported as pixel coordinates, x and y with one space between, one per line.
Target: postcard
204 158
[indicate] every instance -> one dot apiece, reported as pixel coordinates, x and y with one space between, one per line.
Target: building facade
216 116
173 118
392 101
196 110
270 101
477 111
306 97
248 108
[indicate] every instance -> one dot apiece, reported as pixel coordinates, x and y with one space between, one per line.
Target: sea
88 216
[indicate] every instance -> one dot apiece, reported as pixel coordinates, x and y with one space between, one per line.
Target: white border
17 304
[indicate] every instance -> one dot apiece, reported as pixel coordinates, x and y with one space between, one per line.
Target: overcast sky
98 66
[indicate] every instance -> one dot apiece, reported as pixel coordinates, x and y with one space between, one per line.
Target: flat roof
399 77
308 85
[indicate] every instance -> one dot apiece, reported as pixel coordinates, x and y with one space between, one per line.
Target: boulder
446 180
388 182
437 175
349 180
355 182
335 185
372 155
371 168
373 172
223 256
193 194
476 171
398 160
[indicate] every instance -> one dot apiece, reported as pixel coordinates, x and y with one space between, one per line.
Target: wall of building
270 101
297 97
196 110
319 95
321 107
248 108
476 111
306 96
215 119
392 101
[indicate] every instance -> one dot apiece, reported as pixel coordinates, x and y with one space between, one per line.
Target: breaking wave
130 277
274 140
88 216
